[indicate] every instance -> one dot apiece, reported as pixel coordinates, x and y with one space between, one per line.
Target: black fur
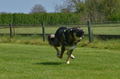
65 36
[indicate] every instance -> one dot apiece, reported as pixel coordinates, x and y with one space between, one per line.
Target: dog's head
78 32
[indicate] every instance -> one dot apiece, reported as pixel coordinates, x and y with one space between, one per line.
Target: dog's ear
77 28
71 30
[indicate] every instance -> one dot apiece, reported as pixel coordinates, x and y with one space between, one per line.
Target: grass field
114 29
113 43
21 61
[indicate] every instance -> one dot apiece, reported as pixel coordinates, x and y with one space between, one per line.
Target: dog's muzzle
80 34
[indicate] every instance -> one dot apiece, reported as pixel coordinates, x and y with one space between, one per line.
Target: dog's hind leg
69 56
58 52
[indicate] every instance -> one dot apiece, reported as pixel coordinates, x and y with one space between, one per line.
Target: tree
66 7
38 8
3 13
94 10
102 9
80 7
110 7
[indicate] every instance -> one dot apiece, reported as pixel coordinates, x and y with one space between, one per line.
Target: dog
67 38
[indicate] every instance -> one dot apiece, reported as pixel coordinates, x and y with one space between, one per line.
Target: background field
106 29
28 57
20 61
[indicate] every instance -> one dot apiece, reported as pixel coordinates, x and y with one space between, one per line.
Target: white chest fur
70 47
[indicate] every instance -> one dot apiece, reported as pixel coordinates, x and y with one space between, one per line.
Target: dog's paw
72 56
68 62
58 55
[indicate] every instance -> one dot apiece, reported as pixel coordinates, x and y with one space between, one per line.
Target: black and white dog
67 38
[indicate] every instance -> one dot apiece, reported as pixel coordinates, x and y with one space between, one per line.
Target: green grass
106 30
112 43
38 30
38 40
21 61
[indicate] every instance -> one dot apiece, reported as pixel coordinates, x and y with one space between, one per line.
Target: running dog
67 38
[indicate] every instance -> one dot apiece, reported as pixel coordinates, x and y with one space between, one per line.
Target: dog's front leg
72 56
58 52
69 56
62 51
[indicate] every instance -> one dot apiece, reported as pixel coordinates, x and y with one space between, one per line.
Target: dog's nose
83 32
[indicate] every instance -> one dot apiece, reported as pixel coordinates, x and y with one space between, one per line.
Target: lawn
114 29
21 61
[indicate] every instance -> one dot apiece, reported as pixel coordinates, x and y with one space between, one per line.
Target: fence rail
102 30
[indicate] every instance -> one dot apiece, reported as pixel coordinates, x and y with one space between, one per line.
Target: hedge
47 18
38 18
6 18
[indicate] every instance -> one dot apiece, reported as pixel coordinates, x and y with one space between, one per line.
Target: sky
25 6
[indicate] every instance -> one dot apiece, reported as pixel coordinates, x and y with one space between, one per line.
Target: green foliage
6 18
94 10
99 43
81 7
38 18
33 40
115 16
0 20
38 40
98 10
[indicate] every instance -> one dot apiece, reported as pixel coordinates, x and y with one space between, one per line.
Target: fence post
13 28
11 34
89 31
43 31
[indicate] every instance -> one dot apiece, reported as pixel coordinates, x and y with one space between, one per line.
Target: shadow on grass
48 63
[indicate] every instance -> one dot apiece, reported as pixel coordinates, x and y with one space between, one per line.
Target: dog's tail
52 40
